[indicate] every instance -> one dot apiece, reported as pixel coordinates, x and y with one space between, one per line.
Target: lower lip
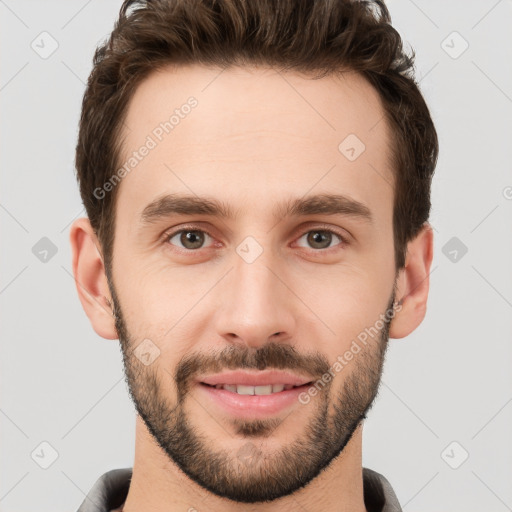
256 406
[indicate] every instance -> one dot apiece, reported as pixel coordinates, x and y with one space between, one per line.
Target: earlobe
413 284
90 278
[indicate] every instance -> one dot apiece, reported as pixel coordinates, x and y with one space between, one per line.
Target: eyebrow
319 204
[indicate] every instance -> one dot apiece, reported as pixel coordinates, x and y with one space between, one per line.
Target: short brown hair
316 37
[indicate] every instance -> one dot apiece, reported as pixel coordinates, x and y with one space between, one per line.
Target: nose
257 305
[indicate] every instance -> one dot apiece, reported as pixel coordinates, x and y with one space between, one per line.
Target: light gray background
448 381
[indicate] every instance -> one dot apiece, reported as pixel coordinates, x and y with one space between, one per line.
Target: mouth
261 390
252 402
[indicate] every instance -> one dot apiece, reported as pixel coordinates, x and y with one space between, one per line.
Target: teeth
254 390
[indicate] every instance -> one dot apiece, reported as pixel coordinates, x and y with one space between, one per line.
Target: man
257 182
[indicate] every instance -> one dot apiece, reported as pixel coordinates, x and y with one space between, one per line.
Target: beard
248 474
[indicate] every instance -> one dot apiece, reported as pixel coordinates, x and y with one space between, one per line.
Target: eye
322 238
190 239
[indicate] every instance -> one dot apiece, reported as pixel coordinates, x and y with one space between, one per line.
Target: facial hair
248 474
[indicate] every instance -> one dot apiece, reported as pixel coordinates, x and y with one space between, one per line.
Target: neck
158 485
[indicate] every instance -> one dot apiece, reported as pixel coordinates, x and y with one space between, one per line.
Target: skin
257 138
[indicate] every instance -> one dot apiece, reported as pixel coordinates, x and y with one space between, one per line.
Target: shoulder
379 495
108 492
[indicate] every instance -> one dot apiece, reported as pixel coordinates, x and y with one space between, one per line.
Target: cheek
162 303
346 306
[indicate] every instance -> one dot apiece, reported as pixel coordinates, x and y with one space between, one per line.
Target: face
279 259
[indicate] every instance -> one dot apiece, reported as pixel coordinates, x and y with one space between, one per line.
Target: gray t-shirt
110 490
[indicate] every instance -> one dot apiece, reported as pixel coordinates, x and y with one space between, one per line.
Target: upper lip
260 378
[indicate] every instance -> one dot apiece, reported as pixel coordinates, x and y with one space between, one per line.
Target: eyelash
168 235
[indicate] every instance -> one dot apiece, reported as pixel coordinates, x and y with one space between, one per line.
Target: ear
91 279
413 284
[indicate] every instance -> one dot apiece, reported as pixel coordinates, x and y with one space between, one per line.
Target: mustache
276 356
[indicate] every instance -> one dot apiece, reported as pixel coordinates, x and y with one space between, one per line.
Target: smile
267 389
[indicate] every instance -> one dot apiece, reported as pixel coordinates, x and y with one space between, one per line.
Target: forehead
253 130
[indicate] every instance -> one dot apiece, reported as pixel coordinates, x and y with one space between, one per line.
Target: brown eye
189 239
321 238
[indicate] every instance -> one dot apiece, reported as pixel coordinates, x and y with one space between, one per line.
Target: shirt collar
110 490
